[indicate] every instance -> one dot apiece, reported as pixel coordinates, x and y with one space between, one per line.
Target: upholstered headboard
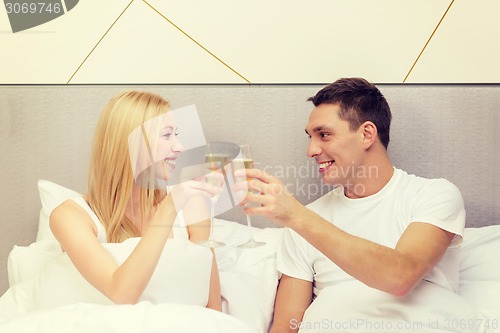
438 131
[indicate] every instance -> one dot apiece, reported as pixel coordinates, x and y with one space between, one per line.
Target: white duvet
248 284
143 317
44 285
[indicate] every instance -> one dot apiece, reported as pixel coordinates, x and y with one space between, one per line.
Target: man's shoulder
421 184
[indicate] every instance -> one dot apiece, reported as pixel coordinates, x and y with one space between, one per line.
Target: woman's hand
183 192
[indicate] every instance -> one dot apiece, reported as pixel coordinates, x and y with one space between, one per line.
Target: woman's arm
74 230
199 232
214 297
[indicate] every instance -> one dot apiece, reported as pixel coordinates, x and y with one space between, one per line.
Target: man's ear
369 133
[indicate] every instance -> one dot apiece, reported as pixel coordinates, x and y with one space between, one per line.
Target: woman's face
167 149
165 144
153 149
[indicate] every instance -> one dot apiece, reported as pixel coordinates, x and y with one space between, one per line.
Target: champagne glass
215 162
246 155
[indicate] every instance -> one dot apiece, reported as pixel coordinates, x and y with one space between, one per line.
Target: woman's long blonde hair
111 177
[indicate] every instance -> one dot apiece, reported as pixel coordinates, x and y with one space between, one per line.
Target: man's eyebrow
320 128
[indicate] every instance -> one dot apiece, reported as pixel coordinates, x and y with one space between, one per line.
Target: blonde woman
117 207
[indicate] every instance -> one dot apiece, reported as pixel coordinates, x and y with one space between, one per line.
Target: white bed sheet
143 317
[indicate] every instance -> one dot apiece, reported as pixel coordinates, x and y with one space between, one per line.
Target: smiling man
377 250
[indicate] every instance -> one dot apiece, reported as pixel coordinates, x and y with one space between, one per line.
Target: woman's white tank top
182 274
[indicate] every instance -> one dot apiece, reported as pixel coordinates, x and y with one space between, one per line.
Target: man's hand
272 199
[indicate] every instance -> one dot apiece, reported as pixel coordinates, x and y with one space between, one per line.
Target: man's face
337 150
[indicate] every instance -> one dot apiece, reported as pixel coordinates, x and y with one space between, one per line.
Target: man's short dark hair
359 101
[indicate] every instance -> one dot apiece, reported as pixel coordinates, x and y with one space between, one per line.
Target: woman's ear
369 133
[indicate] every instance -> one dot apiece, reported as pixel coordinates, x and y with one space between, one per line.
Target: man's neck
377 172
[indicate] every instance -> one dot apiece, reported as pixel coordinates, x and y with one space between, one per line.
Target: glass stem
212 215
249 223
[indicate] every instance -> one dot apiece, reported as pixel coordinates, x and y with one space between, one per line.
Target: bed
47 294
45 139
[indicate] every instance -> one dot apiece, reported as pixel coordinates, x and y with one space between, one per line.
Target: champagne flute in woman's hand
247 163
215 163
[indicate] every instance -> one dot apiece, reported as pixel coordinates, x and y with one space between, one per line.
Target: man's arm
293 298
395 271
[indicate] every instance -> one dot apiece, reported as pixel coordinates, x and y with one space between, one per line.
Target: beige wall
225 41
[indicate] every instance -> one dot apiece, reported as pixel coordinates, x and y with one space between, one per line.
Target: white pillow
182 275
478 254
51 196
53 280
249 277
59 283
26 262
480 270
56 284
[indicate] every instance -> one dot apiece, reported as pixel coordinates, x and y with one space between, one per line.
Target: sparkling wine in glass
247 161
215 162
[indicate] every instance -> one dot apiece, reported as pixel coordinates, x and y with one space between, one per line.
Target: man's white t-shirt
381 218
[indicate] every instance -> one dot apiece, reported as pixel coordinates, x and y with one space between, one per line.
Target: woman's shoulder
68 206
71 211
71 206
